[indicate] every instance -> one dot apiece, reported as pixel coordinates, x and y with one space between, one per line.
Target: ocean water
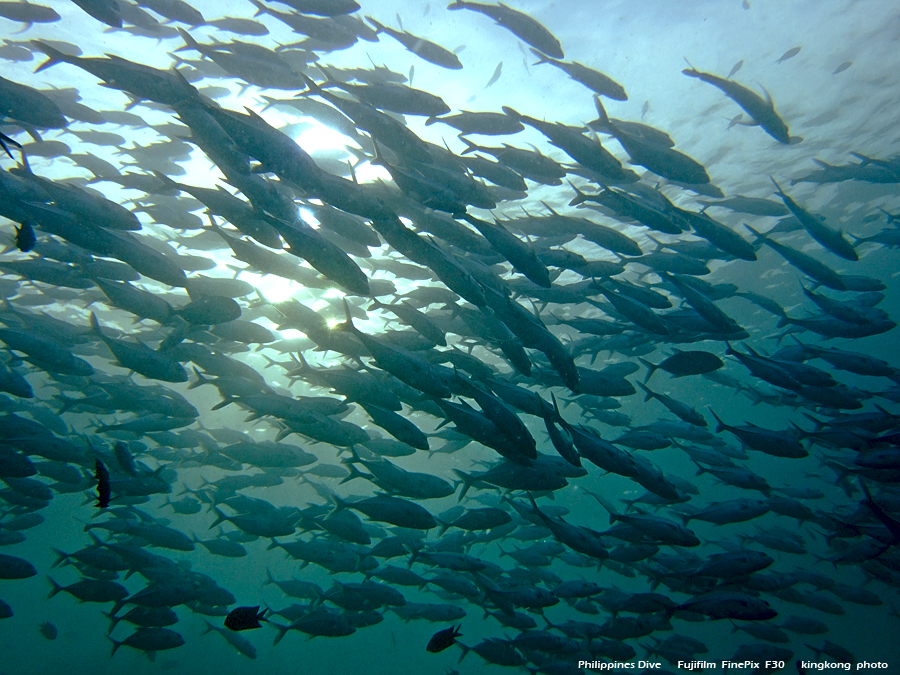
641 46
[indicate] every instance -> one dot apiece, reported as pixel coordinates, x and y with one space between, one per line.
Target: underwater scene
384 337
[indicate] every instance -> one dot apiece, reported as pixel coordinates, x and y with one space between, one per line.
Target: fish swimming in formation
417 348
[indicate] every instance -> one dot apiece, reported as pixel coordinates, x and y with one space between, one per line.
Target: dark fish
761 110
424 49
395 97
805 263
443 639
841 68
331 8
48 630
486 123
818 230
101 475
26 240
789 54
29 106
245 618
659 159
141 359
142 81
12 567
404 365
519 24
28 13
682 363
590 78
150 640
175 10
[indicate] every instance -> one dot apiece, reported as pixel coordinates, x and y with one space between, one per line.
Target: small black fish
443 639
245 618
48 630
25 237
103 491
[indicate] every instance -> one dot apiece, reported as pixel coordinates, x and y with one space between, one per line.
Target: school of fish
267 310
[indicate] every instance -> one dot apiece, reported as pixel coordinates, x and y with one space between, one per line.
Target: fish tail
613 515
651 368
260 8
116 645
113 620
166 183
579 198
61 557
721 425
56 588
465 650
189 42
54 56
220 518
649 394
209 627
227 400
354 472
466 480
339 504
760 237
282 631
470 146
200 380
313 87
542 58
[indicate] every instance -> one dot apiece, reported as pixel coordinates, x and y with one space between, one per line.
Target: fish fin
601 111
95 325
189 41
768 97
313 87
512 112
379 28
